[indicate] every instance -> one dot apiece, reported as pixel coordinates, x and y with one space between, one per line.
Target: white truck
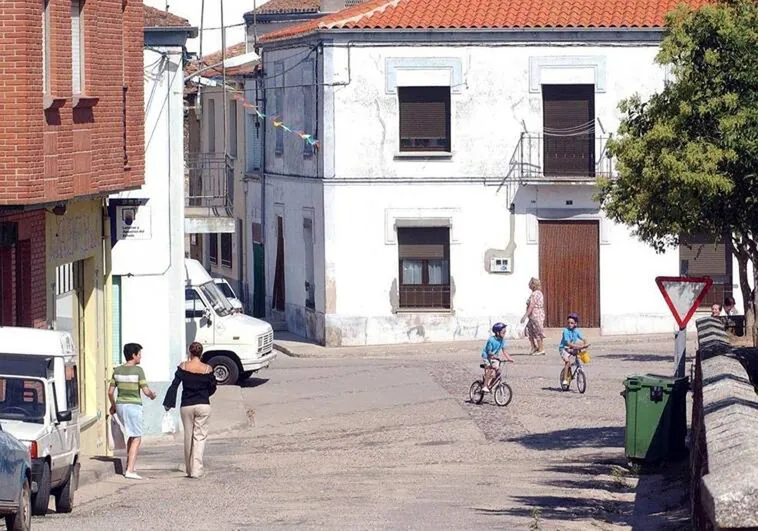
235 345
39 405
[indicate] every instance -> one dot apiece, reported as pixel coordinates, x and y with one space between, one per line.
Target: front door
197 326
569 254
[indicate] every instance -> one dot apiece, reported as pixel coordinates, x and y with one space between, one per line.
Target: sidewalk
301 347
228 414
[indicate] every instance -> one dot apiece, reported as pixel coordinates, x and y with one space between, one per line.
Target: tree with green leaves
687 158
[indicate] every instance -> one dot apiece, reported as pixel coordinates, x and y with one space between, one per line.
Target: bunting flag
275 120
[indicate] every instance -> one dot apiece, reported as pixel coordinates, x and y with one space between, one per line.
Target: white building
148 228
455 163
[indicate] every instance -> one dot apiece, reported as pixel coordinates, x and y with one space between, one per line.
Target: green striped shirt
129 379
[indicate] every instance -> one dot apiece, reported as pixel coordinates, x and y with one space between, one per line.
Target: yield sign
683 295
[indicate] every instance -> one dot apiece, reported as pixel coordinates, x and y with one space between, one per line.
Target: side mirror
207 315
64 416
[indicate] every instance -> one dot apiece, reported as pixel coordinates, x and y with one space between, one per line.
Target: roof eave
379 35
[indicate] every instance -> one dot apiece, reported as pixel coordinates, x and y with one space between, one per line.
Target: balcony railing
210 180
542 157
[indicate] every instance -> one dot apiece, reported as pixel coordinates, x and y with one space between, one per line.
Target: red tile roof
288 6
155 18
491 14
215 58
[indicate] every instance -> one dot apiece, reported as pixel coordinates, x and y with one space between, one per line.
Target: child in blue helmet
492 348
571 341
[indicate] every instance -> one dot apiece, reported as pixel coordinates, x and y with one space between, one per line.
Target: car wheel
64 496
22 520
224 369
41 500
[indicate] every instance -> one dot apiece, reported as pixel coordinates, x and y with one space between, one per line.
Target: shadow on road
253 382
642 358
601 437
567 508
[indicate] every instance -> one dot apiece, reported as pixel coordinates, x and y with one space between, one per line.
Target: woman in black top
198 384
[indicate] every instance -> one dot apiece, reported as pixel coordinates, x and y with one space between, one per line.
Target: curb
284 350
103 470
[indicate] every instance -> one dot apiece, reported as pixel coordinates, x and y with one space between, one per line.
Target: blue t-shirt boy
493 347
570 335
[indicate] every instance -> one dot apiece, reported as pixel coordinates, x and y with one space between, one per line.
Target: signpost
683 296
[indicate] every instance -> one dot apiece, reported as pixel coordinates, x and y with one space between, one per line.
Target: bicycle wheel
475 393
502 394
564 387
581 380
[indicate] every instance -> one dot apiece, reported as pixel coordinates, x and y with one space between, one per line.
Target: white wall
152 269
495 92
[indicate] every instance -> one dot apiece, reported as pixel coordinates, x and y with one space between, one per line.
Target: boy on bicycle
572 341
492 348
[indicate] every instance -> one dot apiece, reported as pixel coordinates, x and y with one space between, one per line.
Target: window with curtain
279 104
213 247
211 110
233 128
45 47
77 47
424 118
424 267
226 249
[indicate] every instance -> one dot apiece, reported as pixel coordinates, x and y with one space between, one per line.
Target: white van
235 345
39 405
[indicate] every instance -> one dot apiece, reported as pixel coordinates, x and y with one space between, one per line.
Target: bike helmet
498 327
574 316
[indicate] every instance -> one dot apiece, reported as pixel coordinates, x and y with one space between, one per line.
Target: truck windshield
218 302
22 399
226 290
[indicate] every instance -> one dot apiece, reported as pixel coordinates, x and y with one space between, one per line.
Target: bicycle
576 372
501 391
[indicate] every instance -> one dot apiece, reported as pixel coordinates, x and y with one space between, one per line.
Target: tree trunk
751 323
741 251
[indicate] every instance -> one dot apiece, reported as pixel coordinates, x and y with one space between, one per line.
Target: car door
198 327
9 467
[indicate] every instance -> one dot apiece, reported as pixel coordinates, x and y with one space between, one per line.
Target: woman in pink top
535 314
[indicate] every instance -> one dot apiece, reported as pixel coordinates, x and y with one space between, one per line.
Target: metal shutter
568 119
424 118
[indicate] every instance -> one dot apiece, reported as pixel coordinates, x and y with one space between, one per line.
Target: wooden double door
569 256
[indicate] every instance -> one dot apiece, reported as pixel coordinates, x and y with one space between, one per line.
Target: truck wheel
224 369
41 500
22 520
64 495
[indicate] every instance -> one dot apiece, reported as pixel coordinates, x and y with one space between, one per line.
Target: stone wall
724 454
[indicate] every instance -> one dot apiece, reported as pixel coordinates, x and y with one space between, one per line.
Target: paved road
393 444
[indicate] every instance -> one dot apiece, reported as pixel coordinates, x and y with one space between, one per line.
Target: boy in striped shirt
130 380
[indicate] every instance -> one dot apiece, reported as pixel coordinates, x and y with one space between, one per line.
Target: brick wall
31 231
64 152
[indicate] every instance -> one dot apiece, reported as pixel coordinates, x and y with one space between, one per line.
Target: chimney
332 6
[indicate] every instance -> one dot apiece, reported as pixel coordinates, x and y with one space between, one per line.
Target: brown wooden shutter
567 110
424 243
424 116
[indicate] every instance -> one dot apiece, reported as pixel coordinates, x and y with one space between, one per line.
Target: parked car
15 481
236 345
39 405
228 292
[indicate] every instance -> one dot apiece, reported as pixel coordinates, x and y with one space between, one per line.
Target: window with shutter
211 125
424 118
77 47
279 104
308 128
233 128
706 255
424 267
226 249
569 130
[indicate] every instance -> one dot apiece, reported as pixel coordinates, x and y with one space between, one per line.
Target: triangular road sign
683 295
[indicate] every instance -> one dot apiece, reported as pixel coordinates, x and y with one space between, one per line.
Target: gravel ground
393 443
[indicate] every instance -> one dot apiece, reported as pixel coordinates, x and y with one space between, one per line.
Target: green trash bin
656 417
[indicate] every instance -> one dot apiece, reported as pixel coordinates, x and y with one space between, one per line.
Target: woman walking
198 384
535 315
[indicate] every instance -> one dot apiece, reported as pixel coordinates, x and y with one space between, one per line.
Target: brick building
71 132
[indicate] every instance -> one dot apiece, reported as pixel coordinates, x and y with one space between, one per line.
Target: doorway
569 257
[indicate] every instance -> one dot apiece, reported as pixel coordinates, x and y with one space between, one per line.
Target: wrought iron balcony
210 181
544 158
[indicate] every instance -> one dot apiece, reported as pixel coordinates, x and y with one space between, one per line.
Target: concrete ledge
729 492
